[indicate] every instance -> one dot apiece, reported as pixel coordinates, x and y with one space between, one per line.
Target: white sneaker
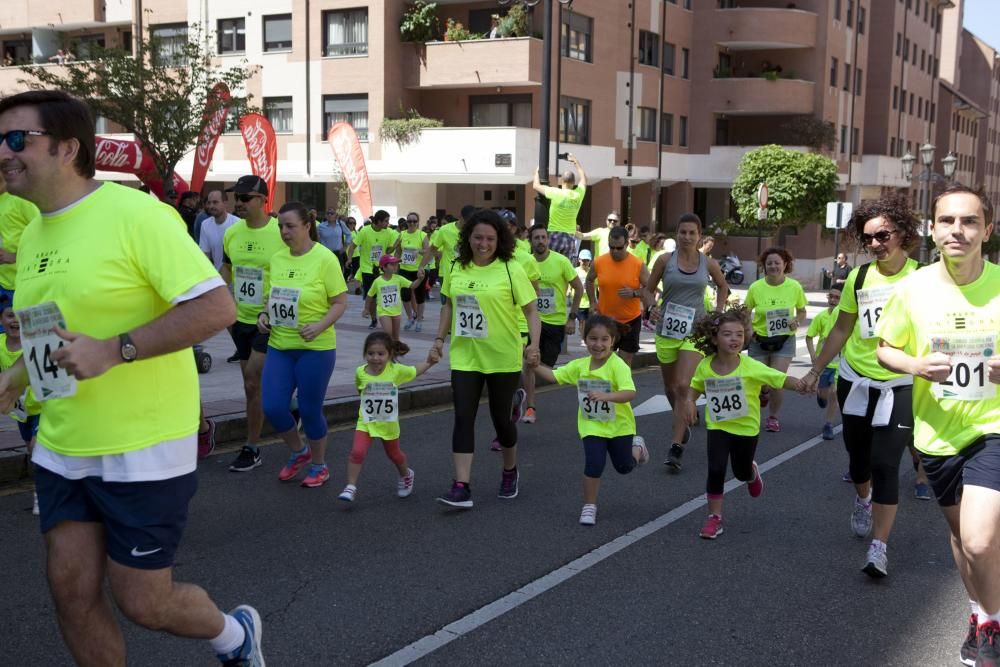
347 495
861 517
640 442
34 508
405 485
877 563
588 516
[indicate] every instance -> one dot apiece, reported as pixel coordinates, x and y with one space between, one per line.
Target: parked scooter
732 269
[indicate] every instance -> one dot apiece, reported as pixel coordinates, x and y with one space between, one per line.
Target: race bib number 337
48 380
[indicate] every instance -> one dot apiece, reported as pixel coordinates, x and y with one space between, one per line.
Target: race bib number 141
48 380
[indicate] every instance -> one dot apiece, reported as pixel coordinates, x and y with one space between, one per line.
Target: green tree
799 186
160 94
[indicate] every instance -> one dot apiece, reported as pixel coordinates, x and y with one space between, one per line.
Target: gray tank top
685 289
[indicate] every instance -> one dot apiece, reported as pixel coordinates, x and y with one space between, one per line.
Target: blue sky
982 18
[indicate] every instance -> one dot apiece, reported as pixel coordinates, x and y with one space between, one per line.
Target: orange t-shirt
612 276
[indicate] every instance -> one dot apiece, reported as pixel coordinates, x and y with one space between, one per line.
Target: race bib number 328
48 380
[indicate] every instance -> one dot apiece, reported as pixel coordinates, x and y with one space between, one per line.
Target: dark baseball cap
249 185
467 211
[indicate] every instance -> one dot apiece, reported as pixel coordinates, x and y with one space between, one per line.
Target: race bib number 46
871 301
248 285
779 322
727 399
470 322
601 411
39 341
283 307
378 403
970 376
677 321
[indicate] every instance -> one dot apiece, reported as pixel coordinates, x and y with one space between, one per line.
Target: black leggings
596 451
875 452
466 390
726 449
420 291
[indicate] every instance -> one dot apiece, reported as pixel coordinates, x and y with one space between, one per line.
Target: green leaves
405 130
420 22
799 185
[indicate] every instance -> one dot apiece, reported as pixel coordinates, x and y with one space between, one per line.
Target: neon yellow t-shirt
114 262
564 206
522 245
530 266
411 248
763 298
485 302
249 253
28 403
372 245
581 273
387 294
600 237
752 375
820 327
15 214
557 273
641 250
385 390
308 281
928 312
600 418
859 350
445 240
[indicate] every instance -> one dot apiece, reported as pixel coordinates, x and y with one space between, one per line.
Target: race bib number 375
378 403
48 380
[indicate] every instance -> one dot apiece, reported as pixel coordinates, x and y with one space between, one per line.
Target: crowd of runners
103 292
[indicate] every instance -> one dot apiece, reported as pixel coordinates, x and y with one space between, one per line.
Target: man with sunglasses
941 326
599 237
247 250
111 293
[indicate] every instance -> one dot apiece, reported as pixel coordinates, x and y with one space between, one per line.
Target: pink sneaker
756 485
318 476
772 425
712 527
495 445
206 441
294 465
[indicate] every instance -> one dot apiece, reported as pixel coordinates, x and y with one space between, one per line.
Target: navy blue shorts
143 521
827 378
28 429
976 465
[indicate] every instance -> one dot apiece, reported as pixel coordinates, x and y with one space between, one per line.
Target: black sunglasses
15 138
880 236
246 198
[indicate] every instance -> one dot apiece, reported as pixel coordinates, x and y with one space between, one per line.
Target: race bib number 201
40 341
970 374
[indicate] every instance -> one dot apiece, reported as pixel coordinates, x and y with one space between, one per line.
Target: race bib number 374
48 380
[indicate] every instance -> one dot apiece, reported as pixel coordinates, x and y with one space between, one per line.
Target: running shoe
861 517
922 491
372 324
234 359
877 563
318 476
495 445
459 496
756 485
970 647
640 442
588 516
765 396
772 424
519 405
846 477
206 440
828 431
712 527
508 484
988 645
687 435
409 324
419 326
674 457
821 401
248 655
347 495
529 416
404 486
247 460
34 507
295 462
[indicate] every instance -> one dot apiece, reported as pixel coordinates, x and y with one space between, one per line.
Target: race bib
470 322
376 254
283 307
726 398
546 300
19 412
779 322
248 284
676 321
871 301
389 297
409 256
969 379
378 402
39 341
600 411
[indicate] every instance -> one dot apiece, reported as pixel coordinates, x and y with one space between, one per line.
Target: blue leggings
308 371
597 450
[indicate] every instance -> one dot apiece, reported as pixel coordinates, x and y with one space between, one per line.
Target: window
855 140
682 132
667 129
574 120
861 20
847 76
895 97
87 46
232 35
101 125
649 48
669 53
577 37
351 109
836 9
500 111
169 42
858 81
899 43
277 32
920 107
843 138
685 61
345 32
647 124
834 67
906 48
278 111
850 13
933 111
892 146
923 56
911 103
722 137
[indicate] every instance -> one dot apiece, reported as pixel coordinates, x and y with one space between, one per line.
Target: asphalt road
343 584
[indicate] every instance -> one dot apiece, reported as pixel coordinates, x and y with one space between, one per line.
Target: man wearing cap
247 250
564 205
599 237
373 241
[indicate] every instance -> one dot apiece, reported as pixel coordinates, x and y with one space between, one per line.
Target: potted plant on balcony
456 32
515 23
406 129
420 22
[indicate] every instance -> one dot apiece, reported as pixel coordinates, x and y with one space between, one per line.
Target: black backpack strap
859 280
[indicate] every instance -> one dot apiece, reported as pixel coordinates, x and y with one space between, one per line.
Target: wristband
439 339
812 371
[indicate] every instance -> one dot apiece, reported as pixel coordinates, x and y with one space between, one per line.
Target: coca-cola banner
215 118
262 149
131 157
347 150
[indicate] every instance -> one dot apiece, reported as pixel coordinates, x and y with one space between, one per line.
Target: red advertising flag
347 149
131 157
262 149
214 122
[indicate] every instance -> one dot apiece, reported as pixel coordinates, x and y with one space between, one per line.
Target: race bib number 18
970 376
727 399
48 380
871 301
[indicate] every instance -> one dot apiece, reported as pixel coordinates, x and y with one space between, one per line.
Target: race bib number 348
727 399
48 380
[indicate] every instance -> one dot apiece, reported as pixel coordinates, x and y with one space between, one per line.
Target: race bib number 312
48 380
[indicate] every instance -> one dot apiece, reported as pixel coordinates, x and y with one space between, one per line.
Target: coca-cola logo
115 155
255 137
210 136
343 148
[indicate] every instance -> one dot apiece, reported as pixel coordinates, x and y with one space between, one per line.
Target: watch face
129 352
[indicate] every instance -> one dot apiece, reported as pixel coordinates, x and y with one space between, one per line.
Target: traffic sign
838 213
762 195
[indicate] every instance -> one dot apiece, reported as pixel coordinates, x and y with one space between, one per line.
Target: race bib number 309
48 380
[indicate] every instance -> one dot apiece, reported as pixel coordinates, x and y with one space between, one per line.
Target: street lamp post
925 185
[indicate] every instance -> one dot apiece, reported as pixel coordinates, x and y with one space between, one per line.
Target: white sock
883 545
974 608
231 638
868 500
